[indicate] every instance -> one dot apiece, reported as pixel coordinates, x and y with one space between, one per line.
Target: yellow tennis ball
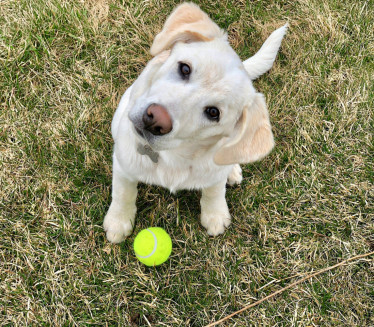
152 246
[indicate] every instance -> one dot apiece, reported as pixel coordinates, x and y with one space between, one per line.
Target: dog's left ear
253 138
187 23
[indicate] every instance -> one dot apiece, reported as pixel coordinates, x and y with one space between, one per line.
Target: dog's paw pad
235 176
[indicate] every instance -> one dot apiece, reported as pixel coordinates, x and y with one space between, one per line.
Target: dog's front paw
235 176
215 222
117 227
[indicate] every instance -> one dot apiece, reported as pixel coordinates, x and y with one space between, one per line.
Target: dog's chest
188 175
171 172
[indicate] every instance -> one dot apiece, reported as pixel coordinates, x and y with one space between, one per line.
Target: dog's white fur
198 153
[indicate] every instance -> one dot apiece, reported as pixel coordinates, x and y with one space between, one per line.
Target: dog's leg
235 176
215 215
119 221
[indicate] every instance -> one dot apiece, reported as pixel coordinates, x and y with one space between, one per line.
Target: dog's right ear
187 23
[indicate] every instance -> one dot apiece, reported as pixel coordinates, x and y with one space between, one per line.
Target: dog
188 121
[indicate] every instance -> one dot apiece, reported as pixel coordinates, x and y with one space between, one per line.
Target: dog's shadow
157 206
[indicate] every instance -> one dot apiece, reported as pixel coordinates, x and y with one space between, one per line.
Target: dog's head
196 92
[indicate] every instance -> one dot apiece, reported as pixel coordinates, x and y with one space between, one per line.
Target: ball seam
154 247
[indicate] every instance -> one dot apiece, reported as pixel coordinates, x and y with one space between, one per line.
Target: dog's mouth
143 136
139 131
146 138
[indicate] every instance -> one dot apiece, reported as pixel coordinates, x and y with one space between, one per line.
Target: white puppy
189 119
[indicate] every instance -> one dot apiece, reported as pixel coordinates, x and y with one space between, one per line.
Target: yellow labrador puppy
189 120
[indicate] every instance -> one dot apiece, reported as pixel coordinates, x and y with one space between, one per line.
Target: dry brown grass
63 66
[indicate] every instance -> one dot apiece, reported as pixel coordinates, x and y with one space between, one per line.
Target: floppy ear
187 23
253 138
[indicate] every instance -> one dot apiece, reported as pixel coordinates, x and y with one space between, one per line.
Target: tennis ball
152 246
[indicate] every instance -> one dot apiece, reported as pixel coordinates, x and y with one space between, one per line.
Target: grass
64 65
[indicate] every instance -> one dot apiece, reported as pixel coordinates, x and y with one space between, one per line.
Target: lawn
308 205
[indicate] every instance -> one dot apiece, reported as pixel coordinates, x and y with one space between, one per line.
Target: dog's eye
212 113
184 70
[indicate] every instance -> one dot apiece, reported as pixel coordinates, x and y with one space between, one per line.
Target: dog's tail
263 60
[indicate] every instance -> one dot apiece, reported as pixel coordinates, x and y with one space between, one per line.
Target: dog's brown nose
156 120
